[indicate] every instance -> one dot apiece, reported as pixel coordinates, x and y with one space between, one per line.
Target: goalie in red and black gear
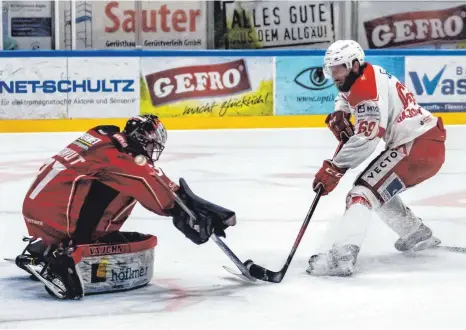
86 192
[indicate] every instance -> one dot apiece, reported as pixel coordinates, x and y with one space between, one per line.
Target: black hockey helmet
148 132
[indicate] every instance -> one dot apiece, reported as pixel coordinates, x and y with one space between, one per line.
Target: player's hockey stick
450 248
267 275
264 274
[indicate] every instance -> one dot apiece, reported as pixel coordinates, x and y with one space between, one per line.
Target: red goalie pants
395 170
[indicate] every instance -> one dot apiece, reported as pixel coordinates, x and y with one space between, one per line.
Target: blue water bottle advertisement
302 89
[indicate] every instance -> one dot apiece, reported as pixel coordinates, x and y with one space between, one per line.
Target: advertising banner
267 24
302 89
28 88
417 24
438 85
215 86
27 25
111 87
112 24
52 88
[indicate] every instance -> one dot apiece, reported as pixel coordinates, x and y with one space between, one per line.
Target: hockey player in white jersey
383 109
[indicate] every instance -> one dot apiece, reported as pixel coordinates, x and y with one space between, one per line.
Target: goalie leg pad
110 267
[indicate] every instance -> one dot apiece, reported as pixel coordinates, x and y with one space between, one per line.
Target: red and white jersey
382 108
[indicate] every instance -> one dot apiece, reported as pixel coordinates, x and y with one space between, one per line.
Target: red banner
414 28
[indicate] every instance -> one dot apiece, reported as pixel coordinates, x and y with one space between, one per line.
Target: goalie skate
54 286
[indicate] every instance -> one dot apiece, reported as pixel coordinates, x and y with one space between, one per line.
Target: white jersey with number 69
383 108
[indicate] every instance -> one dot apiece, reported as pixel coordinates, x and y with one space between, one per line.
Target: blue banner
302 89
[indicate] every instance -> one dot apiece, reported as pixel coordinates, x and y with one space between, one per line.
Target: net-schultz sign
266 24
415 28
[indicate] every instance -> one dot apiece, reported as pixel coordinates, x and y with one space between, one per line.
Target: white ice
265 176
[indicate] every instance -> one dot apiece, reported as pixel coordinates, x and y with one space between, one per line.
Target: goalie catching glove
209 218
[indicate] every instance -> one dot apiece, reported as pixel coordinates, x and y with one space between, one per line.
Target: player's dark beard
349 81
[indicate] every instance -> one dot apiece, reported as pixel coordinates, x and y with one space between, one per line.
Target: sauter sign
419 27
163 25
152 20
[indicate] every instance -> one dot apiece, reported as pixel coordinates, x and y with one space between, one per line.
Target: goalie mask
149 133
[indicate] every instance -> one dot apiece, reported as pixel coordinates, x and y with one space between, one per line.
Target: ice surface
265 176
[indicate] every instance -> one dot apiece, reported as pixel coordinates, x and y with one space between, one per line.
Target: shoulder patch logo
121 139
86 141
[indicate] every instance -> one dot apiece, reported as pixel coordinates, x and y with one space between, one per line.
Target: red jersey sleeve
141 181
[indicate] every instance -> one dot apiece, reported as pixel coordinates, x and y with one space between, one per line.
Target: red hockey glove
339 123
328 177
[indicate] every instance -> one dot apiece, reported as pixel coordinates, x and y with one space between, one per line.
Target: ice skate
32 256
420 240
55 269
61 279
339 261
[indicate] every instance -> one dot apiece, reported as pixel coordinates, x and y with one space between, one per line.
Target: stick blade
244 277
264 274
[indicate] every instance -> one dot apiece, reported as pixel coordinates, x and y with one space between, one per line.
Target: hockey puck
248 263
255 270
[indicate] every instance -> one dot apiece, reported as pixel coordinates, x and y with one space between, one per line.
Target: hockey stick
264 274
267 275
221 244
241 266
450 248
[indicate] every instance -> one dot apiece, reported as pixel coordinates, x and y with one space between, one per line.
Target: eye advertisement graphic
302 89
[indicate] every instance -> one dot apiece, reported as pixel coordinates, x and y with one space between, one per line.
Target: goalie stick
221 244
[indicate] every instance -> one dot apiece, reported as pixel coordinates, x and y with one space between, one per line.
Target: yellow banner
207 87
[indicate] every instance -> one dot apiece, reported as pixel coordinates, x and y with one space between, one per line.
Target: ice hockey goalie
83 195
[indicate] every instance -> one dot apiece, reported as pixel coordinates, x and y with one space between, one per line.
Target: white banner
52 88
115 83
112 24
27 25
439 85
265 24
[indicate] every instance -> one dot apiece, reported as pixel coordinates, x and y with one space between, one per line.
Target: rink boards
50 91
